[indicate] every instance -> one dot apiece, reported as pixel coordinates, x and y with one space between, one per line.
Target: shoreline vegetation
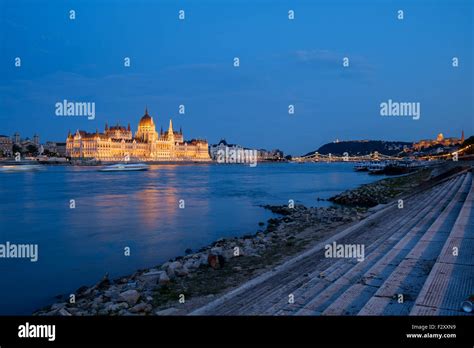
187 282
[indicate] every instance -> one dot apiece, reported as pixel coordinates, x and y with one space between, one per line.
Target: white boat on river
19 166
377 167
361 166
125 167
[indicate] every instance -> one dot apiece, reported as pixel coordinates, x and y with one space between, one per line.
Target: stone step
409 277
446 287
239 296
371 272
451 280
268 293
348 300
317 281
398 221
314 264
276 298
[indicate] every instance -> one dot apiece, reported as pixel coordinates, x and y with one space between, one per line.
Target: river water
139 210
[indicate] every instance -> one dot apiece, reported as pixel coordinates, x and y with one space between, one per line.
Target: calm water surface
139 210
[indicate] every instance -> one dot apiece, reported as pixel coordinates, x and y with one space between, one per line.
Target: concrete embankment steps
262 300
320 280
353 288
451 279
409 276
399 244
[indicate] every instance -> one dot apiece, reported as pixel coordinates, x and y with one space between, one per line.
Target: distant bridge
317 157
375 156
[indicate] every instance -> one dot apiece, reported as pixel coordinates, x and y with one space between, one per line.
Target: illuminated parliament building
118 143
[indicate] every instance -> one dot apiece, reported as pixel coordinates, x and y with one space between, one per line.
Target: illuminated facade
6 145
440 140
117 143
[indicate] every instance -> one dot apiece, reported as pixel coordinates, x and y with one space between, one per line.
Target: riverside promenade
419 260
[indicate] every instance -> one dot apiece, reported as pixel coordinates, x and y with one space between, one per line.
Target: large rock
57 306
129 296
151 278
215 261
181 272
202 260
115 307
192 264
164 279
248 251
99 299
228 254
112 293
141 307
104 283
64 312
217 251
172 268
175 265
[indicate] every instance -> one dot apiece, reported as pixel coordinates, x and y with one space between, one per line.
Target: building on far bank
6 145
440 140
234 150
222 147
26 145
224 152
16 138
30 146
272 155
117 143
59 149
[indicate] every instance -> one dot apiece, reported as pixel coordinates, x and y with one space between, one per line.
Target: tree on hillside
32 149
16 148
469 141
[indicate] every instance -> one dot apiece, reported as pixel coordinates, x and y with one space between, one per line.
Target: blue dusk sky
282 62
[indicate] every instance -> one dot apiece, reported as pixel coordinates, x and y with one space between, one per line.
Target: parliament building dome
146 120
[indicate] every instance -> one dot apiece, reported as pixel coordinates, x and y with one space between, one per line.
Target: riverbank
213 269
382 191
187 282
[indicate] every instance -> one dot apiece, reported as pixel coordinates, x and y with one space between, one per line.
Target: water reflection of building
118 142
156 205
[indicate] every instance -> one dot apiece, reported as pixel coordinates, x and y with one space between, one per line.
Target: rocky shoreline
382 191
186 282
